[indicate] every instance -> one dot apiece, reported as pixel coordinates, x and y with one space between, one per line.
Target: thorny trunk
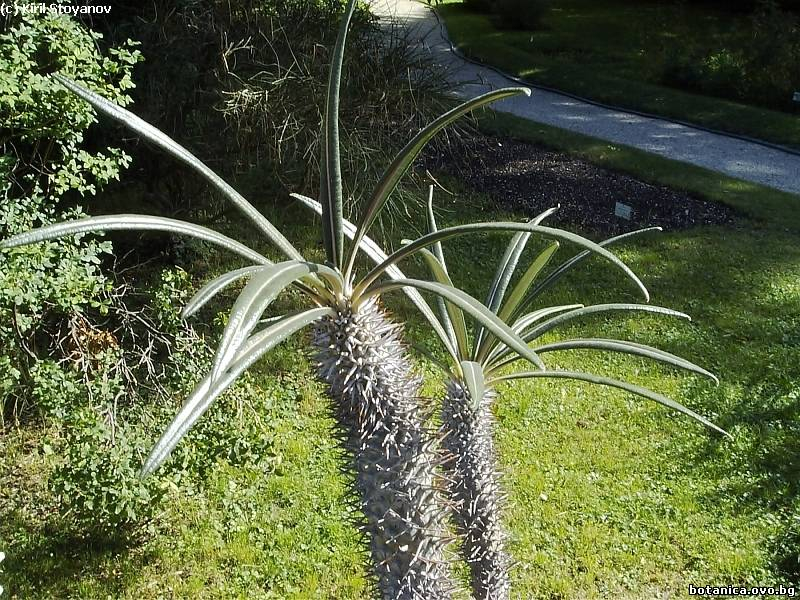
475 487
392 455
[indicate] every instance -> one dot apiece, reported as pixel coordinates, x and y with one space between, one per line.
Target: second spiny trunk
475 488
392 455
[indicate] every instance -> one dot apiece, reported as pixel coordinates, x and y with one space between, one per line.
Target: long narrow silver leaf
374 252
505 271
438 251
530 318
562 269
133 222
330 163
475 381
163 141
508 264
627 348
516 296
539 330
406 157
453 314
254 299
277 331
205 393
449 232
623 385
213 287
525 282
521 324
467 303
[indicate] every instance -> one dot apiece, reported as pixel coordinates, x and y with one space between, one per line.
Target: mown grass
610 496
609 51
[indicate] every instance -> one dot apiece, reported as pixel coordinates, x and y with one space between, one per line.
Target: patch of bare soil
524 177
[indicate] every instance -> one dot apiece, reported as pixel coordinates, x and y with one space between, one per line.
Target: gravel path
731 156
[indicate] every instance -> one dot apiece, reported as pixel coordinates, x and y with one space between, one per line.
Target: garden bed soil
527 178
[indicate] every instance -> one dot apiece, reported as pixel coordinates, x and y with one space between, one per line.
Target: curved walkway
734 157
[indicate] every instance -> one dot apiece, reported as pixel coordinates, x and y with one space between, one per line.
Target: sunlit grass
610 496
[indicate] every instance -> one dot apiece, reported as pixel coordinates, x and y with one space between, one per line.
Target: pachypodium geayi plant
361 357
359 351
480 361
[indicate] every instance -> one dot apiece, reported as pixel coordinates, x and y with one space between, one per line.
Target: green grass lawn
610 51
610 496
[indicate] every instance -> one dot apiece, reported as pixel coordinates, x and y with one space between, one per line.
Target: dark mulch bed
524 177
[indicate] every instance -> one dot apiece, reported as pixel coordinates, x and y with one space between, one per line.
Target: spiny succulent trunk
392 455
475 487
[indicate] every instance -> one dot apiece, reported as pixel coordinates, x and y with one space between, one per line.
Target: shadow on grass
51 560
743 289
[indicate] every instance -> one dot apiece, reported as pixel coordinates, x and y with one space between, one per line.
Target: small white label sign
796 97
622 210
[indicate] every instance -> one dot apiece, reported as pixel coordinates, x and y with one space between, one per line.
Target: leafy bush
106 424
720 73
45 164
773 56
67 350
764 69
520 14
97 481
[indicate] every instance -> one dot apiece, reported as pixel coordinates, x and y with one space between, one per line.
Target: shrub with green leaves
96 479
45 166
761 69
104 422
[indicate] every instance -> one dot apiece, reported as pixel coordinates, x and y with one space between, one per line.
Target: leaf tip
147 468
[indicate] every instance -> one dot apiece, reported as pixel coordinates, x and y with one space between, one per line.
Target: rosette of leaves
361 357
479 365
